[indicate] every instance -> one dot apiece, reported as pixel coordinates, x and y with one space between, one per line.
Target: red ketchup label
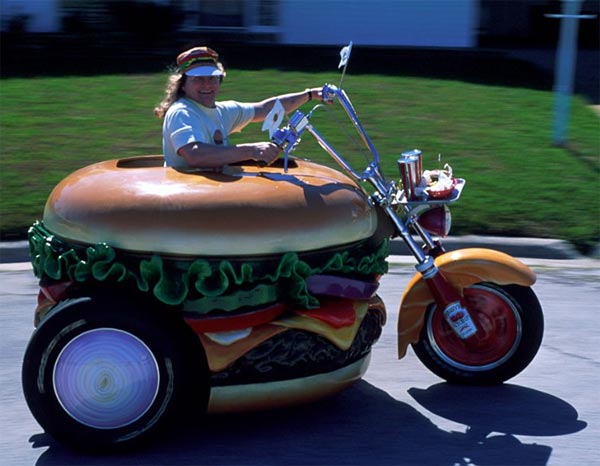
459 319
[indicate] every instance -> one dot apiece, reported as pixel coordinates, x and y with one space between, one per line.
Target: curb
534 248
14 251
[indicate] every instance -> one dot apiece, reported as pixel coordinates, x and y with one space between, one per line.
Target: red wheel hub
498 327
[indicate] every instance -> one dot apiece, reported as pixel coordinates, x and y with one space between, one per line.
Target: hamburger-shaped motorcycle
166 291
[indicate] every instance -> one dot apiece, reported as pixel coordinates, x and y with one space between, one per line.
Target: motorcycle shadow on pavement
363 425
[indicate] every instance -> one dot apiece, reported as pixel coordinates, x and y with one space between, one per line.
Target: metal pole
564 69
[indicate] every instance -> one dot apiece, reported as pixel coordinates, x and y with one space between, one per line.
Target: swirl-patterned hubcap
106 378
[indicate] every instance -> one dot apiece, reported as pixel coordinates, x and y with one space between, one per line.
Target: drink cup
410 167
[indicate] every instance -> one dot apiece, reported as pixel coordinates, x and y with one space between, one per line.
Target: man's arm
290 102
200 155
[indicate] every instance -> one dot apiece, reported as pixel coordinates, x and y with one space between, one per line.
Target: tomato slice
55 291
249 319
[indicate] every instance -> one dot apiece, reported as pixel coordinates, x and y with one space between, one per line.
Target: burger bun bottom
285 393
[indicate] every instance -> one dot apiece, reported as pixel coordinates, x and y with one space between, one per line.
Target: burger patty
299 353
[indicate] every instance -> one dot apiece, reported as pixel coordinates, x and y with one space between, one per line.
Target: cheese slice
220 356
340 337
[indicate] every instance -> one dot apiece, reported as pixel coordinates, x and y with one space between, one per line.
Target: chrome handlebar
288 138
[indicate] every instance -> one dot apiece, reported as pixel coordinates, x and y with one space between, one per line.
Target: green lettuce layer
175 281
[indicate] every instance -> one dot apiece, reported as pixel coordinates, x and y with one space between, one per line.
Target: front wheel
511 326
99 374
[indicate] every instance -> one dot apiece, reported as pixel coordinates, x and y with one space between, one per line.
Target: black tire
515 322
102 375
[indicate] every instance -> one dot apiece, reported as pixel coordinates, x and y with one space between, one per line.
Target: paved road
399 414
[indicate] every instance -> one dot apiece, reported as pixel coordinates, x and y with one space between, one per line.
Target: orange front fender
462 268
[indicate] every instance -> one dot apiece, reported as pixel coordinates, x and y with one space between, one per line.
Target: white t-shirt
187 121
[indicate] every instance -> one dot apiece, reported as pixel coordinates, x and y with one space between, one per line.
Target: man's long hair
173 92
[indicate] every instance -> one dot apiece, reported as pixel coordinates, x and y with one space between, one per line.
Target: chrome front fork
447 298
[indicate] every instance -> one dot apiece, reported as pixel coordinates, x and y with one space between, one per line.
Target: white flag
345 54
274 118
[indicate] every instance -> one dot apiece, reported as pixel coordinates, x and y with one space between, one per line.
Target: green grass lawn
498 138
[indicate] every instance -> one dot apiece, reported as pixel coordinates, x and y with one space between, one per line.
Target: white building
443 23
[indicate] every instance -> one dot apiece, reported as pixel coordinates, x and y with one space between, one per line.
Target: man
196 126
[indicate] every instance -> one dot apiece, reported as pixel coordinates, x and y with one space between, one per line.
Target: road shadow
362 426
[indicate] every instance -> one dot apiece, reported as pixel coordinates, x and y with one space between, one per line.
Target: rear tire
512 322
105 375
